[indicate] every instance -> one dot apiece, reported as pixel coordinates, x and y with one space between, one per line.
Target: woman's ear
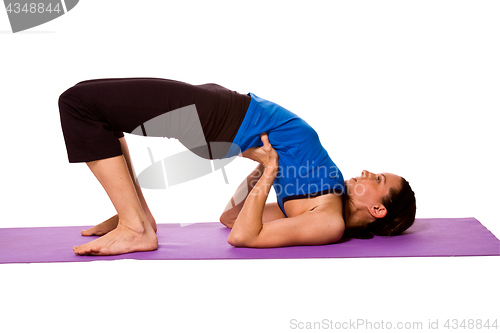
378 211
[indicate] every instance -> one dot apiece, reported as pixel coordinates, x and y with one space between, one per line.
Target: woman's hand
265 155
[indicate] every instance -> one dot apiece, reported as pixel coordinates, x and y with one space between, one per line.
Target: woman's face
369 189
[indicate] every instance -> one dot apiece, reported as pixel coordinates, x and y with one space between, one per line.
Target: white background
409 87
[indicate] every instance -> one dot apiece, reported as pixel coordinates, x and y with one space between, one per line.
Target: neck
354 217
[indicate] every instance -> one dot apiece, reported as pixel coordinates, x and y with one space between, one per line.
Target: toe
77 250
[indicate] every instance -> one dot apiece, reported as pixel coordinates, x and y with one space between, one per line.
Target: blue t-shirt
305 169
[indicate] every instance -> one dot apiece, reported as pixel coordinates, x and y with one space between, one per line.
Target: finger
265 139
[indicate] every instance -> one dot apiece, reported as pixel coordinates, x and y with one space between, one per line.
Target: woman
315 206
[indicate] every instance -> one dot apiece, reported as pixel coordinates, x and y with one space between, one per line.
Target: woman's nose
365 174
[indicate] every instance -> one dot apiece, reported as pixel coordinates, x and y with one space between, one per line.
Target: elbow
237 240
226 220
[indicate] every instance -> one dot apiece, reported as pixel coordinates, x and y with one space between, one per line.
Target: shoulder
328 215
329 222
323 218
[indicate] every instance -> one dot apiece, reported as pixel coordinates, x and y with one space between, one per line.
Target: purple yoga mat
427 237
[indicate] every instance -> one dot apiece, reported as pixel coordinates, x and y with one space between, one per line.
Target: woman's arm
271 210
248 223
234 205
315 227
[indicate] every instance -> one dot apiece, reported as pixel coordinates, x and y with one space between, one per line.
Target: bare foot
110 224
102 228
125 238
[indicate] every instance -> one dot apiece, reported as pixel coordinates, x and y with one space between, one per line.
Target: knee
66 99
70 103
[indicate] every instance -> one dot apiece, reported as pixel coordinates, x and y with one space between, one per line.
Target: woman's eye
378 179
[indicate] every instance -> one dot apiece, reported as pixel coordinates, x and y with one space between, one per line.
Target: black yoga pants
95 113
